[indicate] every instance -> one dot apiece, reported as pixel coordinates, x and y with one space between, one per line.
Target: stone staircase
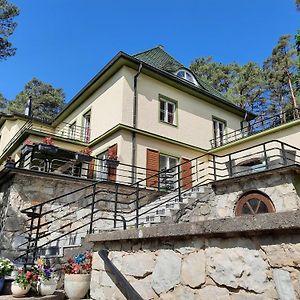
164 209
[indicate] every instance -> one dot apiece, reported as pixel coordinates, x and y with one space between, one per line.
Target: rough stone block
143 287
212 292
193 269
166 273
283 284
138 264
283 254
237 268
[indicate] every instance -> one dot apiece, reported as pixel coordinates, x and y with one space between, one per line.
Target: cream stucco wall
194 124
8 130
105 106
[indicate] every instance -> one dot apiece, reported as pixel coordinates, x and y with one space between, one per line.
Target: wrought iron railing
98 207
68 163
256 125
64 130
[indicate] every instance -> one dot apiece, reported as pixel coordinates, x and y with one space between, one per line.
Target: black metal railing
63 130
98 207
118 278
68 163
256 125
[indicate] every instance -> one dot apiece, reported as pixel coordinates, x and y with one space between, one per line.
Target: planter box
112 163
83 157
47 149
26 149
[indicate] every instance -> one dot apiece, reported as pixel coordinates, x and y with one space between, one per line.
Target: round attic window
254 203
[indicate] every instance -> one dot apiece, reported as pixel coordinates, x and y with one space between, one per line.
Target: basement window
253 203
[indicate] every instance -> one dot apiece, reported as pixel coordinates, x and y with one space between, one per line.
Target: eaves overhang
123 59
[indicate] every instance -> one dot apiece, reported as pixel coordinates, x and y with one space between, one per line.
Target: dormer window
187 76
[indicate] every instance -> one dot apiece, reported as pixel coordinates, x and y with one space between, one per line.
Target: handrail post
179 183
214 167
158 181
137 205
265 156
230 166
29 238
92 209
283 154
116 205
37 233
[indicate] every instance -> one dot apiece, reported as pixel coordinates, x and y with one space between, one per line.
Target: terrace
256 125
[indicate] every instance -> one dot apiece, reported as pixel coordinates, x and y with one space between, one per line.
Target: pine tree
47 101
7 26
3 103
243 85
280 69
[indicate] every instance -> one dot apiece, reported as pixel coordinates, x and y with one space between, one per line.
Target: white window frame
219 131
87 126
188 76
164 113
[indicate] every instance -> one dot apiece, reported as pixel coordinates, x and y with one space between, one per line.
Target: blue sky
66 42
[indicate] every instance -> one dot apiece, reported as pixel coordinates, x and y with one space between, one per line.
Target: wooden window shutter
90 172
186 173
152 167
112 154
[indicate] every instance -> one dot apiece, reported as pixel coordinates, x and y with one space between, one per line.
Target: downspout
134 122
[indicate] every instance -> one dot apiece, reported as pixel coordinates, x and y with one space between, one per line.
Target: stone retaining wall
26 188
213 262
282 186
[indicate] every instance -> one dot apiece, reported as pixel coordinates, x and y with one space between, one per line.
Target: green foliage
298 4
3 103
280 69
7 26
47 101
251 87
6 266
243 85
297 46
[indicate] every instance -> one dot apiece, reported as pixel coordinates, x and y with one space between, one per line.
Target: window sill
173 125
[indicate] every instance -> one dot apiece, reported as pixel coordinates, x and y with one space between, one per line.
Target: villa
147 143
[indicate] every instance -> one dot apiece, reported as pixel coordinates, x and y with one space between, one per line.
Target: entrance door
102 170
169 178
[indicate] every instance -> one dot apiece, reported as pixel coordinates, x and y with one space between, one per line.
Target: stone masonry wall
25 190
281 187
240 267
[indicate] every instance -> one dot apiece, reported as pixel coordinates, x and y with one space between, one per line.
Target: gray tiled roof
160 59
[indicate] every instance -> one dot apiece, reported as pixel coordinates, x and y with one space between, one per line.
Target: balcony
64 130
255 126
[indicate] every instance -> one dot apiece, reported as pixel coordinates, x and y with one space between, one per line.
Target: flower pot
47 287
77 285
83 157
18 291
47 149
2 279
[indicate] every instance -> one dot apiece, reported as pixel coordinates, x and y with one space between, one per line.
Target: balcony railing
64 130
256 125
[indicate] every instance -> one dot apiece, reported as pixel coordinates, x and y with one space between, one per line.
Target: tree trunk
294 102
